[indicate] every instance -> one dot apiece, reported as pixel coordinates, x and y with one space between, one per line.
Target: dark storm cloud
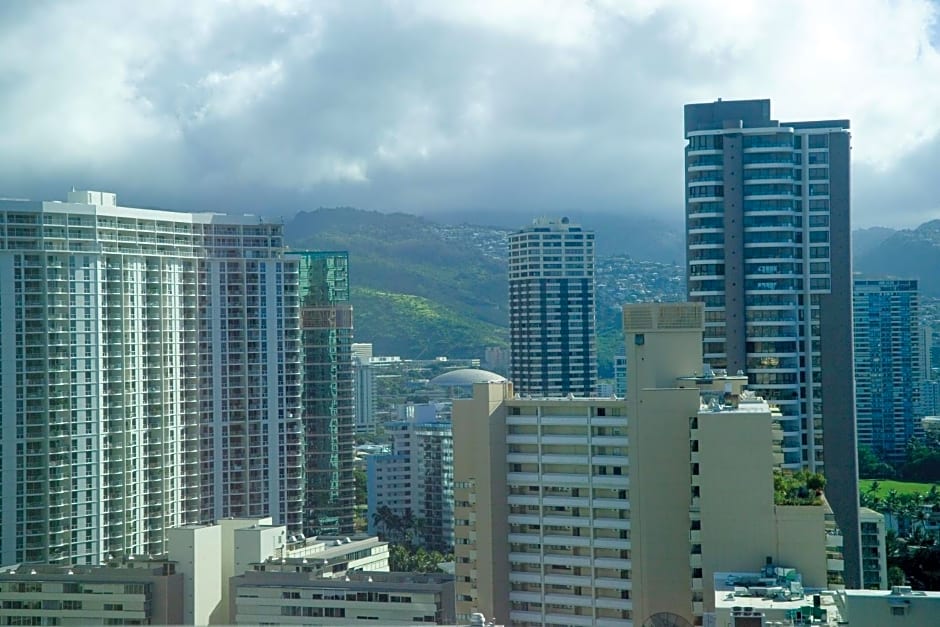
538 107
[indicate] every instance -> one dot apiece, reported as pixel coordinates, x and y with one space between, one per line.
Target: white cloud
535 105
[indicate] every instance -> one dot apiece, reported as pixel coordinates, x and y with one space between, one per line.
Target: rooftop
776 594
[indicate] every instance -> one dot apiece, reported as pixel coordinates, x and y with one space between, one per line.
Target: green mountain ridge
908 254
423 329
415 292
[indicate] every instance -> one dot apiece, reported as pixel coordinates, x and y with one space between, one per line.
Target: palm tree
923 517
408 527
389 521
890 506
933 496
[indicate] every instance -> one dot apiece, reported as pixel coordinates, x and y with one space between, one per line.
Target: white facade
149 376
553 349
874 552
196 549
898 606
362 351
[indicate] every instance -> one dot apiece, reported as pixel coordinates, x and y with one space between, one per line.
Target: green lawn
902 487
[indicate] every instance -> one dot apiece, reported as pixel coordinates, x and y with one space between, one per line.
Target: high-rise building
251 448
888 371
364 373
326 323
769 255
417 476
605 511
145 382
620 375
930 398
551 309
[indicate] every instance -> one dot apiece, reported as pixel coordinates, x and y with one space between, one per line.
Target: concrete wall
479 426
228 527
836 361
660 479
874 609
256 544
197 553
801 541
737 493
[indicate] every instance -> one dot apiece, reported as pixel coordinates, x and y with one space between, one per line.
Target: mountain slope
911 254
421 328
408 277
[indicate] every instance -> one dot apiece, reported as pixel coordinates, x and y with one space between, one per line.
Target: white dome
466 377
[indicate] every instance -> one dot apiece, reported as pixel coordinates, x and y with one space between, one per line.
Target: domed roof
466 377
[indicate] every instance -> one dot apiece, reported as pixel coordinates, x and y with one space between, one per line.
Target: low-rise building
298 597
898 606
754 600
132 591
189 585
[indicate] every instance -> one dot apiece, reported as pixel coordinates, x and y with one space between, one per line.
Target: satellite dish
666 619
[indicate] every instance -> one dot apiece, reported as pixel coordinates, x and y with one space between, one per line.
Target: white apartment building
553 348
874 551
418 474
148 376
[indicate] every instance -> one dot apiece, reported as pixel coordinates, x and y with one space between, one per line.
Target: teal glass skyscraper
328 401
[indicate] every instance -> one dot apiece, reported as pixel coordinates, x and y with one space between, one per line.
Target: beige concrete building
587 511
124 592
190 585
298 598
898 606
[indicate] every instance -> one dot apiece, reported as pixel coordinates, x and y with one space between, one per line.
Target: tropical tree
896 576
388 521
890 508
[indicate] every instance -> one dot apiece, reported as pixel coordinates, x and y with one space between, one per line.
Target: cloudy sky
534 106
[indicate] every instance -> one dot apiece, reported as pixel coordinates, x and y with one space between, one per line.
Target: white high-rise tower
149 376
